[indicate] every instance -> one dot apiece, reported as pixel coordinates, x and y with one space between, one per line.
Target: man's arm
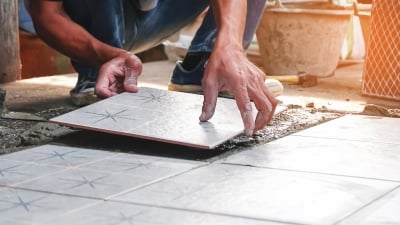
228 68
118 69
55 27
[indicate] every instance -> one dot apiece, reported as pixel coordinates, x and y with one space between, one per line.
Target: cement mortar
19 134
42 133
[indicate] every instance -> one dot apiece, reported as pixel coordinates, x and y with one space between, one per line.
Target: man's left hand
230 70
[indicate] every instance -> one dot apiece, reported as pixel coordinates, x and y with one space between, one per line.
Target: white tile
383 211
325 155
5 221
87 183
14 172
29 207
262 193
113 175
358 128
109 213
160 115
58 155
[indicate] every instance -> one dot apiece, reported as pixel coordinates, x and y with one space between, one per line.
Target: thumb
133 68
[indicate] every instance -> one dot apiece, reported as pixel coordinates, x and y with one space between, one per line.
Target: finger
118 86
266 91
265 112
210 100
247 117
133 68
245 107
102 88
263 99
273 102
262 104
262 119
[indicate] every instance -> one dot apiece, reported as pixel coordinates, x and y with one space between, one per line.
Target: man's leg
145 29
24 19
188 74
203 41
104 20
129 24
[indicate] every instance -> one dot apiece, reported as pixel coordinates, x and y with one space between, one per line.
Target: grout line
101 198
63 168
207 212
343 139
50 192
155 181
366 205
310 172
151 206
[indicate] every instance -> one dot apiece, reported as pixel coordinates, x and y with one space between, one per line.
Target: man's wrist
227 44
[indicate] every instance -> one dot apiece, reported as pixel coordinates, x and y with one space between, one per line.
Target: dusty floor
29 103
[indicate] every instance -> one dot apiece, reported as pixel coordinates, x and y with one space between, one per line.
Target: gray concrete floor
345 171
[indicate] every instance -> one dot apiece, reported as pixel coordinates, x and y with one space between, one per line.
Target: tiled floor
329 174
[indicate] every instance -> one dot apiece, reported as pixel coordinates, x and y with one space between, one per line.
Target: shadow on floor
117 143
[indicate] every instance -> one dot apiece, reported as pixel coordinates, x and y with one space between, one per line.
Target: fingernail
248 132
202 117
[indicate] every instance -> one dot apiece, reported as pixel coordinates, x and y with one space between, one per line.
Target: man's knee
146 5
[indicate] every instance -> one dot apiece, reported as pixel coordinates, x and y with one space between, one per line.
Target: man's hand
230 70
118 75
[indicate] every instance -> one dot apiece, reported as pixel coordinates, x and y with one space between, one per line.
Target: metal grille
381 76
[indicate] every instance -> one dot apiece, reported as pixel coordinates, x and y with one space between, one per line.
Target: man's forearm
230 17
60 32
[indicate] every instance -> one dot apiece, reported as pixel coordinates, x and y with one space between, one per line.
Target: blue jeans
24 19
122 24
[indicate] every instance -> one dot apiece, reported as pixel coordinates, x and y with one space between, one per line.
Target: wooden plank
10 66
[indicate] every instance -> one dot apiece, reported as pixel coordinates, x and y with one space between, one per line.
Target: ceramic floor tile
150 166
58 155
262 193
324 155
8 222
384 211
160 115
29 207
14 172
110 176
109 213
88 183
358 128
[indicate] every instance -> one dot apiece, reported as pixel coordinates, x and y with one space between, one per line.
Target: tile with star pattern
160 115
31 207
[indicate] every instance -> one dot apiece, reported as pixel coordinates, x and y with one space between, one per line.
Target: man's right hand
118 75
